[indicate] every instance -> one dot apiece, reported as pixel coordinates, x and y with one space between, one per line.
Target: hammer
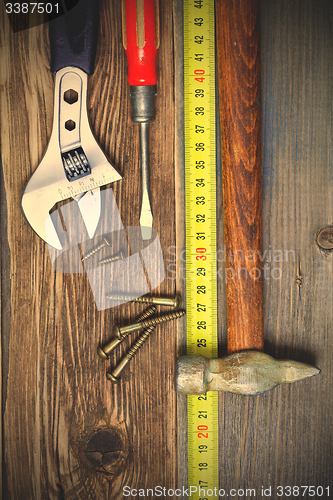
246 369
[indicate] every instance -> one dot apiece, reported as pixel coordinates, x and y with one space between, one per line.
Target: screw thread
146 314
140 341
117 296
125 330
103 352
115 374
144 300
162 301
96 249
149 325
119 256
161 319
175 302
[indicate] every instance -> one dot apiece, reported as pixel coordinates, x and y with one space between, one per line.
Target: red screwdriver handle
141 39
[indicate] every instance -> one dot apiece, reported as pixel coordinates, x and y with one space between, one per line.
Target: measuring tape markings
200 215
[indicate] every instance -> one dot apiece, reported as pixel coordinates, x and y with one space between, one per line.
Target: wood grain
285 436
237 26
69 432
56 402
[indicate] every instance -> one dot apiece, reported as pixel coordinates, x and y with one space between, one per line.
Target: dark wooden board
60 414
284 437
55 397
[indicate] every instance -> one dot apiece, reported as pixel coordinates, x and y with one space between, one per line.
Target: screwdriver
141 40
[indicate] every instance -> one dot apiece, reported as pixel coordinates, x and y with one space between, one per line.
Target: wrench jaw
38 198
45 230
62 174
89 204
44 191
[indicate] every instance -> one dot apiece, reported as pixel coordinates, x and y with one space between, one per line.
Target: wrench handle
141 40
73 37
239 90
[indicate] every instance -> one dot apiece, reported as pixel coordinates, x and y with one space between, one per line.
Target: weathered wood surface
55 395
285 436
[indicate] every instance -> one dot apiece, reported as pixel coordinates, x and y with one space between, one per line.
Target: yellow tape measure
200 217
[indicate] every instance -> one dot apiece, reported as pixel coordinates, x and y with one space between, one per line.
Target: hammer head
248 372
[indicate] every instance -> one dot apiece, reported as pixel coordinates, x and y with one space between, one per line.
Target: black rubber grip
73 37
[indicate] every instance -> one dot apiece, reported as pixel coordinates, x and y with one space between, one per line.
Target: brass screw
125 330
119 256
105 243
114 375
103 352
175 302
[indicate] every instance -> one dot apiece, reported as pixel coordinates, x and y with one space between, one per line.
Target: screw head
112 378
178 302
101 353
116 332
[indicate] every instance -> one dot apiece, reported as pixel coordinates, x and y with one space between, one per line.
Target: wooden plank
4 311
284 437
61 415
55 397
297 83
281 438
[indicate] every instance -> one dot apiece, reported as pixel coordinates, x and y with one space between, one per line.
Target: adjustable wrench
74 166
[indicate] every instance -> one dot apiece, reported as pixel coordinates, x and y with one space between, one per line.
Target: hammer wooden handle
239 87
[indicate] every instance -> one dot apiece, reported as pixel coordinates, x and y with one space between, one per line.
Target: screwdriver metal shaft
146 215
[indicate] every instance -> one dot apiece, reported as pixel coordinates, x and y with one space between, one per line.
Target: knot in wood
106 450
325 238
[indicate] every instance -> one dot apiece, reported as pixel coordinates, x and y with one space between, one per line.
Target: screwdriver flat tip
146 223
146 232
146 216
